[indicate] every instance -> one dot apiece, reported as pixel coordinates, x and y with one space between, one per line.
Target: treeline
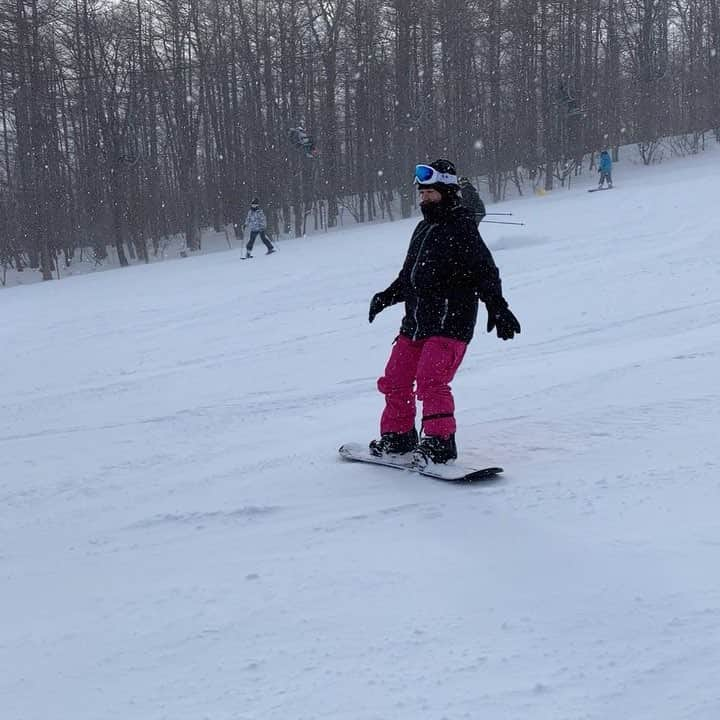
126 121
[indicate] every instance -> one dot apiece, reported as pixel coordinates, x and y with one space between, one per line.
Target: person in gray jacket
257 225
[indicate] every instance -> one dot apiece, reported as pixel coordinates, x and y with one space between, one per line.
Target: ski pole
502 222
499 213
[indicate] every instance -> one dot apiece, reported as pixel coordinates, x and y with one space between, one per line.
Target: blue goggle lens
423 173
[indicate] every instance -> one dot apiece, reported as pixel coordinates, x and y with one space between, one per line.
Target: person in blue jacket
605 169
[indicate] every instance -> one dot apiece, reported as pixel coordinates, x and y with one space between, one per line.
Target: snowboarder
471 199
302 140
605 169
257 224
447 268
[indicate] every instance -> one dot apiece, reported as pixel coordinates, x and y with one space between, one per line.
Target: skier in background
605 169
471 199
447 268
257 224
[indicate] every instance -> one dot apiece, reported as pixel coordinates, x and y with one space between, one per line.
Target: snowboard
600 188
451 472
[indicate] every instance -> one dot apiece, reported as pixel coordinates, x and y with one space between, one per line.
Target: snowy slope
179 540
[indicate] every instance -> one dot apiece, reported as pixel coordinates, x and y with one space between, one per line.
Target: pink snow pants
429 365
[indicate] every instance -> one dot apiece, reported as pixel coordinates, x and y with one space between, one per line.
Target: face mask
433 211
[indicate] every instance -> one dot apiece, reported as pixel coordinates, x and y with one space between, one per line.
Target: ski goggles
426 175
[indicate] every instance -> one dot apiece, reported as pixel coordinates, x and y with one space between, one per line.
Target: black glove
378 303
501 318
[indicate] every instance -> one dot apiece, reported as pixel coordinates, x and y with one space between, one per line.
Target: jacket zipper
445 314
417 259
412 279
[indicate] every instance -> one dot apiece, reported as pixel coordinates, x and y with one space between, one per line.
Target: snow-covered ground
179 540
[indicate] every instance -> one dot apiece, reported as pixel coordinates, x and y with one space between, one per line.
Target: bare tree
124 123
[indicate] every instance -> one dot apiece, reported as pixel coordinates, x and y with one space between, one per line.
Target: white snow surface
180 540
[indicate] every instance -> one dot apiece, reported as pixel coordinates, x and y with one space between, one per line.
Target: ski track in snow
180 540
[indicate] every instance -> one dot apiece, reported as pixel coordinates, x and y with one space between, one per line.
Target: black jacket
472 201
447 268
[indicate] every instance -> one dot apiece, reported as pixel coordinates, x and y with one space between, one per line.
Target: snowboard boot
436 449
394 443
271 250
